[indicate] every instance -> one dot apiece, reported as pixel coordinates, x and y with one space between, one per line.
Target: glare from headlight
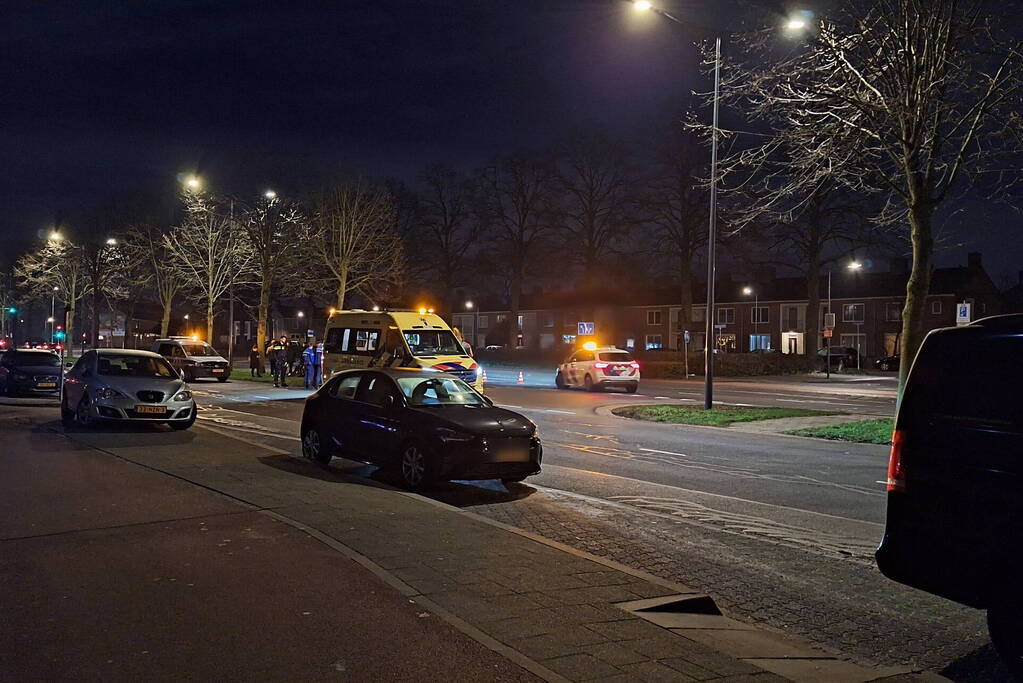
183 395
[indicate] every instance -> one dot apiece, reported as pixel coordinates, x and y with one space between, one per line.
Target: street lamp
270 194
470 306
111 242
708 354
193 183
756 307
301 314
852 265
55 236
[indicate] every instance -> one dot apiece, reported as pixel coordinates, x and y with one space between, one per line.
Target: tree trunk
920 218
129 317
165 321
342 292
811 331
516 298
209 322
263 315
95 316
69 329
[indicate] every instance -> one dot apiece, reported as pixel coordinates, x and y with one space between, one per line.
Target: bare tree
274 228
144 245
913 100
596 203
58 263
353 241
515 207
677 202
447 224
208 252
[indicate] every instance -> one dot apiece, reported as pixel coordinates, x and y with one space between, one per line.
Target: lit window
653 341
852 313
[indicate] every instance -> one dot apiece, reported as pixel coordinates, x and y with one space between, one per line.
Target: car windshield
433 343
48 360
438 391
199 350
615 356
135 366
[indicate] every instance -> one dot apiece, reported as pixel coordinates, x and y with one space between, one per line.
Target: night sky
102 99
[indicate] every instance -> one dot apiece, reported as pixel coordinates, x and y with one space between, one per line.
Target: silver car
127 386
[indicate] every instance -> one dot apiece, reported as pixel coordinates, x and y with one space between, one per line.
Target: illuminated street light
710 329
55 236
747 290
333 310
855 265
270 194
186 316
376 308
301 314
193 183
795 24
111 241
468 304
50 319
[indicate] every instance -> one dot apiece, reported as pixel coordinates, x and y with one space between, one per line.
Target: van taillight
896 474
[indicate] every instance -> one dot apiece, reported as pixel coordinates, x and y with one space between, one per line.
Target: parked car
955 476
29 371
887 363
841 357
598 368
427 426
193 358
127 386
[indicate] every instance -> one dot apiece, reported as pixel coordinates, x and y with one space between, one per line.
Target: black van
955 476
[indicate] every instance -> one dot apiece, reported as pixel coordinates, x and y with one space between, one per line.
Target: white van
411 339
193 358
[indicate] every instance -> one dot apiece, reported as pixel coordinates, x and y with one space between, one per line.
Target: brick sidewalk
557 612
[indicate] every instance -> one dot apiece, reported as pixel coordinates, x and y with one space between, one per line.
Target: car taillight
635 364
896 474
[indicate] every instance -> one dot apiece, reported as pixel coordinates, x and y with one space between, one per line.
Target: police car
597 367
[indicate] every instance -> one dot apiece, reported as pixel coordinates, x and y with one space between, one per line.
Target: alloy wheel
82 416
311 444
413 465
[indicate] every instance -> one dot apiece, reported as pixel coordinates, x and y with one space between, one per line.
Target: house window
759 342
653 317
760 314
653 341
699 315
568 339
855 341
893 311
852 313
790 317
630 343
483 322
548 320
936 307
501 317
521 319
726 316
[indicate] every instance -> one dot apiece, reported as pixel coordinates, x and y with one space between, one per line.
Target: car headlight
183 395
449 435
107 392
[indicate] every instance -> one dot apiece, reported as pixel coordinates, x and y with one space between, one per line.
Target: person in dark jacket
255 366
279 359
311 363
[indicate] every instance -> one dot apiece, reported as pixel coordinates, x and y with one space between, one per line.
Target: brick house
867 307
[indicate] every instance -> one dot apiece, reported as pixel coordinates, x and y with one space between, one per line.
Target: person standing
255 367
319 363
279 359
309 360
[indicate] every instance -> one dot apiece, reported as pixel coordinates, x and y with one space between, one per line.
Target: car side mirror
181 373
487 400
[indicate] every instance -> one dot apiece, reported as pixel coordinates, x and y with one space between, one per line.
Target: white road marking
664 398
654 450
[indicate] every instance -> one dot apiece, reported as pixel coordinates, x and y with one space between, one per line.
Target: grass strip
865 431
720 416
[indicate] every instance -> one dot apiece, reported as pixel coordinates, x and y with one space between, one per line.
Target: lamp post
470 306
853 265
756 305
794 25
53 301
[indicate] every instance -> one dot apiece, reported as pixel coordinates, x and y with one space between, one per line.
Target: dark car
887 363
29 371
426 426
841 357
955 476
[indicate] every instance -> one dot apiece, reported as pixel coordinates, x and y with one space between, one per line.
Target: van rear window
970 377
353 341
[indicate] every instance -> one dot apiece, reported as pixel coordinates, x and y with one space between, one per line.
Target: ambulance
396 338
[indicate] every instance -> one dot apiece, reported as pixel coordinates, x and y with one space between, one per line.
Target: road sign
828 333
685 336
721 326
829 321
586 329
310 333
963 313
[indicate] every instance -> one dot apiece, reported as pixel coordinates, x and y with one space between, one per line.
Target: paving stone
580 596
532 624
605 578
615 653
654 672
634 629
752 644
812 670
581 667
565 641
697 673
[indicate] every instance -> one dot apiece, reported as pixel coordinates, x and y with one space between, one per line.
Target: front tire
67 416
415 467
588 383
315 447
82 416
559 381
222 379
1005 624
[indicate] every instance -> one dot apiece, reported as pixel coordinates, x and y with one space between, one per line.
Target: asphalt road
780 530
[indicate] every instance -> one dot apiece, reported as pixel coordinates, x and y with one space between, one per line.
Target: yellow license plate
220 370
46 385
154 410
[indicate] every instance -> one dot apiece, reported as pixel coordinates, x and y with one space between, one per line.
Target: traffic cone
521 379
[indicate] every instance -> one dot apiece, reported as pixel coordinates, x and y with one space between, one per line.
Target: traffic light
12 310
59 335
